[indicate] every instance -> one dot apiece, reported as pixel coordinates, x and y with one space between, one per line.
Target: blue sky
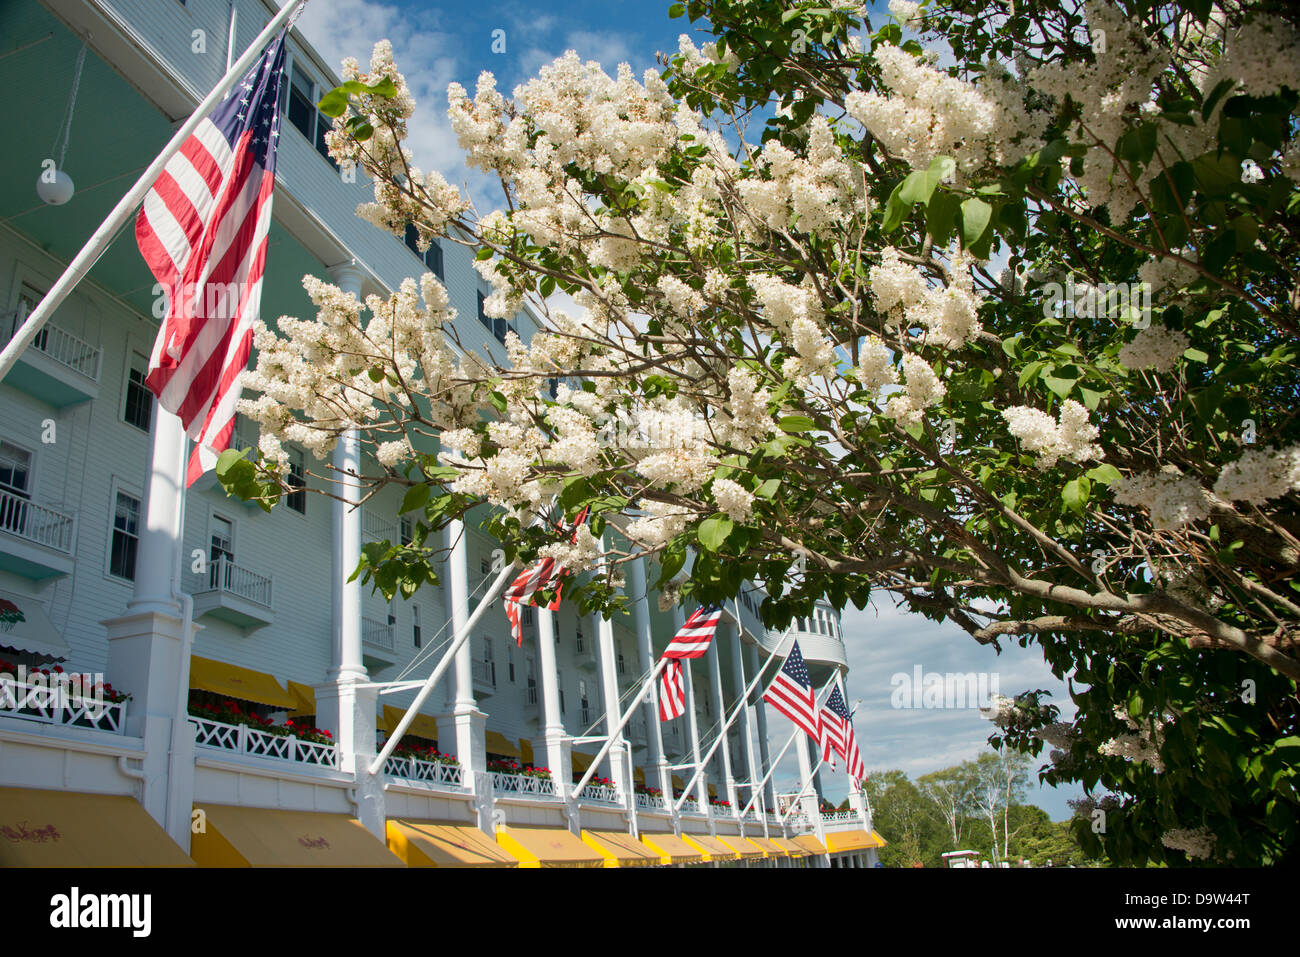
435 45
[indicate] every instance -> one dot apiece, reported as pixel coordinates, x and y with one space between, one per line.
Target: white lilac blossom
921 390
1070 437
734 499
1172 499
1260 475
1197 843
1142 744
1155 347
876 365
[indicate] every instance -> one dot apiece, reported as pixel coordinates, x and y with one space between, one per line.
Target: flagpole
448 657
627 715
103 236
740 706
821 695
799 797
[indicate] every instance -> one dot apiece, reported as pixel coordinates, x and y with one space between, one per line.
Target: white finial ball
56 191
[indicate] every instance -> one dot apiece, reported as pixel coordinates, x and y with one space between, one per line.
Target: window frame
31 468
117 486
293 61
131 356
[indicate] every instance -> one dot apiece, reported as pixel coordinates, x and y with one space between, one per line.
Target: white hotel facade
86 582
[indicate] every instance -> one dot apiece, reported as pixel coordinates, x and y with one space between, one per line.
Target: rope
65 131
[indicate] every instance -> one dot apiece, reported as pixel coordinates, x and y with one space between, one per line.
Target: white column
468 724
746 729
558 754
620 774
720 710
760 726
808 803
347 711
658 764
692 720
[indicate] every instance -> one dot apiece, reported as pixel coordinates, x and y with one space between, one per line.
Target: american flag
834 721
202 231
691 641
542 576
791 693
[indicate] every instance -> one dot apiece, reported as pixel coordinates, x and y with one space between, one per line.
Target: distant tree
949 793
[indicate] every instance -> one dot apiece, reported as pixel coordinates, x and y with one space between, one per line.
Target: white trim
116 485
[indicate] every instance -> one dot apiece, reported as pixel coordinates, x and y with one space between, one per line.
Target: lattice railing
523 784
651 802
242 739
431 772
62 346
57 705
600 792
839 817
377 633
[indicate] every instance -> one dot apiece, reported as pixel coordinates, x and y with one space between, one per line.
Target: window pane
15 468
126 542
433 259
297 479
302 112
139 400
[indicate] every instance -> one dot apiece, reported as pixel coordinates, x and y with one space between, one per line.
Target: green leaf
975 217
334 103
941 216
1104 474
1075 494
417 496
676 10
713 532
895 210
796 423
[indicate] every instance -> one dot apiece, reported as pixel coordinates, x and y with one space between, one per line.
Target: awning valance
422 725
712 848
547 847
445 844
43 828
810 844
672 849
526 751
498 743
222 678
24 626
264 837
769 849
620 849
306 698
790 847
581 761
857 840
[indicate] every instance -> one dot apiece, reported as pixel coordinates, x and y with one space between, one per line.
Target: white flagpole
821 698
448 657
125 207
740 706
799 797
623 720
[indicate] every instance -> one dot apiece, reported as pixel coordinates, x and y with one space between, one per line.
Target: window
431 257
482 316
489 665
561 701
301 110
297 499
406 529
15 487
583 704
139 400
415 624
28 298
531 667
578 643
221 540
622 663
126 537
510 660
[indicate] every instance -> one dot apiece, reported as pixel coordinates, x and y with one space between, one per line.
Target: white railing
433 772
530 696
798 820
839 817
651 802
750 815
691 806
62 346
524 784
376 528
55 704
36 523
377 633
483 673
245 740
600 792
225 576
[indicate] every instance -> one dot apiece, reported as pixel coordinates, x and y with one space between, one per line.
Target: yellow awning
498 743
678 783
29 628
581 761
236 682
306 698
638 775
526 751
381 723
770 848
790 847
422 725
40 828
444 844
547 847
672 849
263 837
620 849
810 844
859 840
713 849
747 849
713 791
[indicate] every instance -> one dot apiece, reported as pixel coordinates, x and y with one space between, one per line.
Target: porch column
720 709
692 720
760 724
466 724
658 764
746 730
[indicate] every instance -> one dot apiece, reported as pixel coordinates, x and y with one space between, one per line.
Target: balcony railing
242 739
377 633
839 817
601 793
377 528
484 673
61 346
651 802
691 806
431 772
523 784
225 576
36 523
54 704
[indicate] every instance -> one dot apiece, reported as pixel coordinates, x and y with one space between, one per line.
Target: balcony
35 541
58 368
523 785
47 702
429 772
485 677
236 595
378 528
599 794
378 644
584 652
